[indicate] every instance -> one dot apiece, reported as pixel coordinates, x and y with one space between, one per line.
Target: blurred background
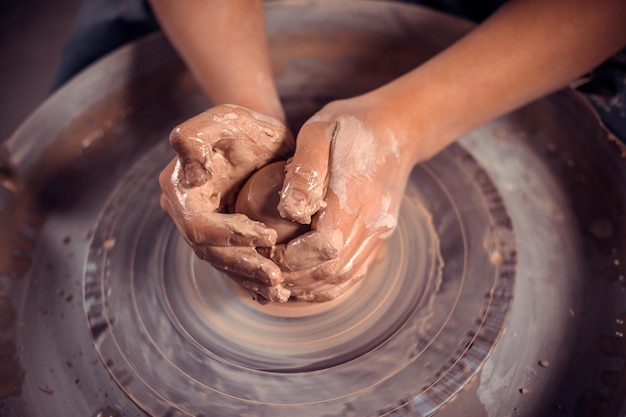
32 35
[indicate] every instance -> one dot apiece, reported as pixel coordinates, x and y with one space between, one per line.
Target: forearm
527 49
224 45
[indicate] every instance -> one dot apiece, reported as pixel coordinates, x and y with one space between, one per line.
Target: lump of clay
259 197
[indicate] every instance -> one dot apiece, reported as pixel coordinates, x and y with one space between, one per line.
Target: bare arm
224 45
525 50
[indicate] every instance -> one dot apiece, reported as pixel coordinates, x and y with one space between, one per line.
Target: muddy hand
347 178
217 151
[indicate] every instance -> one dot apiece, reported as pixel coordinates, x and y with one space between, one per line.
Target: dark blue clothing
606 92
101 27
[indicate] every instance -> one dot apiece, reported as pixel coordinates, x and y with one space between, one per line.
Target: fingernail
260 242
294 202
195 174
275 277
298 196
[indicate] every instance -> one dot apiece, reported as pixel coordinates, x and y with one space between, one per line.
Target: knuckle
176 136
192 233
165 179
329 243
304 174
330 270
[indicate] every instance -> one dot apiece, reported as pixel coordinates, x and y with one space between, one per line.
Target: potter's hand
217 151
348 172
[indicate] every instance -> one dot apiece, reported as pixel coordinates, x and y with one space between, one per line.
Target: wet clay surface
259 198
443 330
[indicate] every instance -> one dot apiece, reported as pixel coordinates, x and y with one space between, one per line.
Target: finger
335 234
276 137
186 139
306 176
330 280
276 293
220 229
308 250
243 262
205 227
322 291
170 182
329 233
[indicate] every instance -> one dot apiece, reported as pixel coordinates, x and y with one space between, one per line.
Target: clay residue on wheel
592 402
11 373
7 313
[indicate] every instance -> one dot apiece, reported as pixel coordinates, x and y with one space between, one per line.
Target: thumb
306 173
191 153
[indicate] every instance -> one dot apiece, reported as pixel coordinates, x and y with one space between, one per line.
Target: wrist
251 95
419 128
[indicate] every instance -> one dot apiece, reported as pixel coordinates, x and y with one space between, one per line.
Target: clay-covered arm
525 50
224 45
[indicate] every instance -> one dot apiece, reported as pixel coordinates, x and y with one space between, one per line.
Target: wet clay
401 319
259 198
217 151
323 51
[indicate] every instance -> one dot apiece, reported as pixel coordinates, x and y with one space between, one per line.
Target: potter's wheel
177 334
104 310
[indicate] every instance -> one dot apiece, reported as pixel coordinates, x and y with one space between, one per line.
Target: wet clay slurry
561 185
259 197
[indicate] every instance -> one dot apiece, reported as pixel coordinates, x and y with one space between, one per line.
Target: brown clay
259 198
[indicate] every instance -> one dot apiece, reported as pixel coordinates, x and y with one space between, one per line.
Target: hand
217 151
347 178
